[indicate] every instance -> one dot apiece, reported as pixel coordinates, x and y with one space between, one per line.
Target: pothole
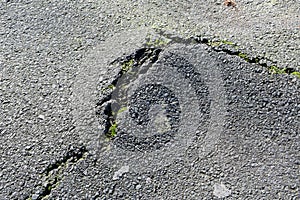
167 110
130 100
161 105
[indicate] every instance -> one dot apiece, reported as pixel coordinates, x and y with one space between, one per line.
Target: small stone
138 187
42 117
35 197
148 180
120 172
105 190
221 191
28 148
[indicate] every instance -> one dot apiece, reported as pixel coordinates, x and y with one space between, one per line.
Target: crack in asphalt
133 61
52 175
151 53
232 49
139 57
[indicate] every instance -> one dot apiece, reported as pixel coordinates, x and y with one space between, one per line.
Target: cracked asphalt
231 126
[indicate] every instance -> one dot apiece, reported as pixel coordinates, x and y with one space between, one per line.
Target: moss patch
112 131
158 42
221 42
275 70
122 110
225 46
244 56
296 74
126 66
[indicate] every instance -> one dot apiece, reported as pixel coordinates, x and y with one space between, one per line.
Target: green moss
296 74
227 42
112 132
275 70
221 42
244 56
122 110
214 44
159 42
45 197
126 66
110 87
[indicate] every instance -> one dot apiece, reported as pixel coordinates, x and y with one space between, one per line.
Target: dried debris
230 3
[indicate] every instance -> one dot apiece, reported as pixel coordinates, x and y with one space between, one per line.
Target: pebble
120 172
138 187
221 191
42 117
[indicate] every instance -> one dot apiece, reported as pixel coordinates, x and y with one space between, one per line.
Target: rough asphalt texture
55 58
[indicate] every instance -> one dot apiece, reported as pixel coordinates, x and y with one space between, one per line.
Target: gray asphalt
199 122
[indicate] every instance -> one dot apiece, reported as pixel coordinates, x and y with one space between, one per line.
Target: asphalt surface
196 123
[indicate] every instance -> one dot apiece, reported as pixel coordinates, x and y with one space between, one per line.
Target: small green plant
110 87
214 44
296 74
275 70
126 66
122 109
244 56
227 42
112 131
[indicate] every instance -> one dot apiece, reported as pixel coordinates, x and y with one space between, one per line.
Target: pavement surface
149 100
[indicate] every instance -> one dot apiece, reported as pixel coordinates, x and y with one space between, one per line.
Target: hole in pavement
145 98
